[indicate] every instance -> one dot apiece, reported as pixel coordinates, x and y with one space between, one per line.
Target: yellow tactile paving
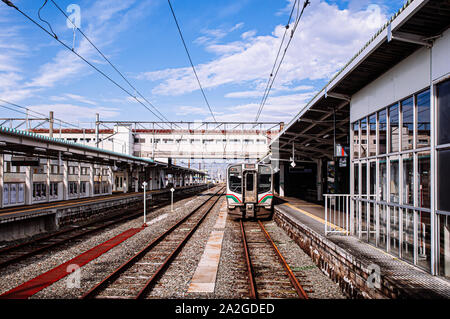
313 216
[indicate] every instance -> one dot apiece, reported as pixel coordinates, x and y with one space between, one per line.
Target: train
249 190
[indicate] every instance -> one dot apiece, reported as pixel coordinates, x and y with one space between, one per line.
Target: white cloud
73 112
326 38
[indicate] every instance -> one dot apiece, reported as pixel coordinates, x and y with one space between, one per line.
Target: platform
28 220
349 261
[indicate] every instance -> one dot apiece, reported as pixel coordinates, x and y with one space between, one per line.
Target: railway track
136 277
13 254
269 275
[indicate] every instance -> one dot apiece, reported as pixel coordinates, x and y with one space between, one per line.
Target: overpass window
407 124
393 121
382 127
372 139
423 119
235 179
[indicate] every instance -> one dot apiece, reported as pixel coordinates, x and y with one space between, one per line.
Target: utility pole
50 131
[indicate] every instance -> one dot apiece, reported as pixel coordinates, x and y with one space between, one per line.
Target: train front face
249 190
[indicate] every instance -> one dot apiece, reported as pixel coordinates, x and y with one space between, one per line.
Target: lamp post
145 205
171 198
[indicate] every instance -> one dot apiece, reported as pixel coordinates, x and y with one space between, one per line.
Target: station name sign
24 161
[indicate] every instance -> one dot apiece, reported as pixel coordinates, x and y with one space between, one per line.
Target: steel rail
149 284
98 225
298 287
251 278
130 262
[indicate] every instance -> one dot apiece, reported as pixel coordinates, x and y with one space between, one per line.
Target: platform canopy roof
25 143
327 116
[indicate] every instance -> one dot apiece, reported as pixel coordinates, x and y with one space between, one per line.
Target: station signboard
24 161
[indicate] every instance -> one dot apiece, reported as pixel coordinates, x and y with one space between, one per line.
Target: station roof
32 144
312 130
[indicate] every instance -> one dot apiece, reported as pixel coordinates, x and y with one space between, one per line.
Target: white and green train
249 190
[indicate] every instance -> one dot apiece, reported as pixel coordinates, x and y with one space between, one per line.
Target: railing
337 213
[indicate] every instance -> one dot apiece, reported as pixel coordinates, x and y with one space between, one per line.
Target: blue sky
232 43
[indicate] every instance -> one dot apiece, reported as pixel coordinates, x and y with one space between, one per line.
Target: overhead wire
190 60
109 62
9 3
272 76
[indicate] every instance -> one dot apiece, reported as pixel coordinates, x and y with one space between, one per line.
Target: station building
380 132
38 169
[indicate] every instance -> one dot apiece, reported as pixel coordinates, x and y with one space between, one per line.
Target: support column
65 180
91 180
79 180
28 186
48 180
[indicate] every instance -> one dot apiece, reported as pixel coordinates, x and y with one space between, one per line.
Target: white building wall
407 77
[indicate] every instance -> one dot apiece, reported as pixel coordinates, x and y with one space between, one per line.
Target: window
264 179
372 135
373 176
356 178
443 118
424 179
423 119
394 185
235 179
363 137
382 127
444 242
408 179
53 192
408 235
443 180
393 121
383 180
364 178
408 124
249 185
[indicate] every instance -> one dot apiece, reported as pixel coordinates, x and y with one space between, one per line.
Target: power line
39 113
9 3
272 76
190 60
107 60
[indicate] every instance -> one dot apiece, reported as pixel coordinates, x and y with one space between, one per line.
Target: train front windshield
235 179
264 179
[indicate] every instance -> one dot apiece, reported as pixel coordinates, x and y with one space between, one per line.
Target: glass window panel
382 187
443 182
363 178
408 124
408 235
372 223
373 178
443 106
444 245
393 122
423 240
356 178
372 139
424 179
394 230
382 127
364 221
382 240
408 179
356 139
363 138
423 119
394 185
